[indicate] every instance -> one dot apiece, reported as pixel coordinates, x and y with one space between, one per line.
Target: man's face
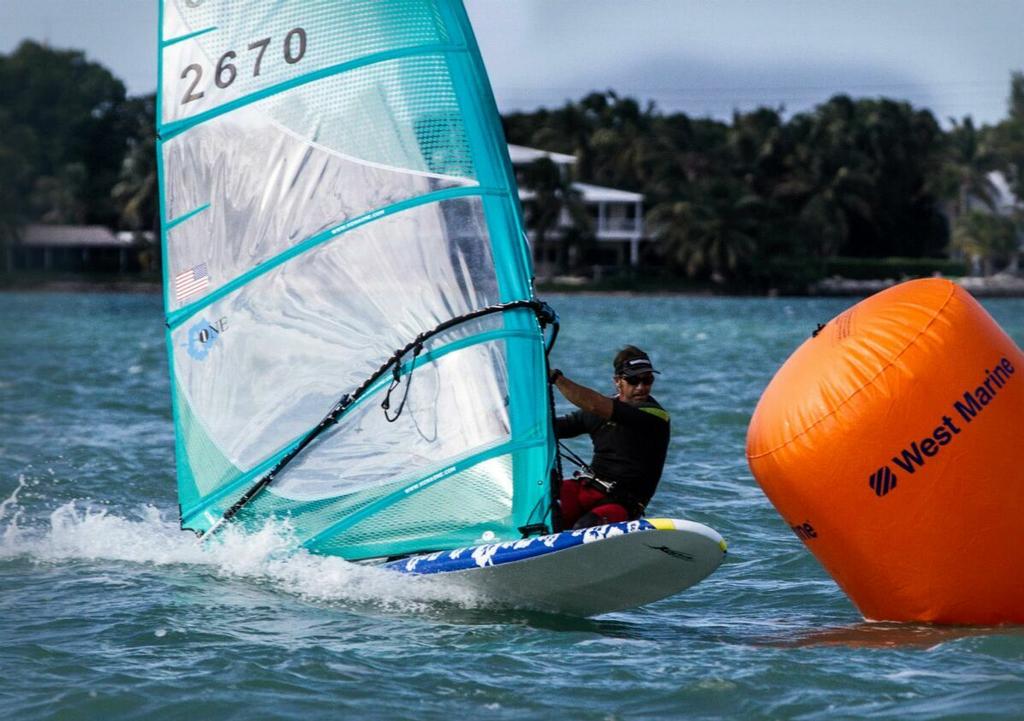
634 390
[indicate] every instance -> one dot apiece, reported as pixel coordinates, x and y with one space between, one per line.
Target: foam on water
85 531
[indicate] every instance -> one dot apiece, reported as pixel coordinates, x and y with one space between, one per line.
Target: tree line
765 198
74 147
745 202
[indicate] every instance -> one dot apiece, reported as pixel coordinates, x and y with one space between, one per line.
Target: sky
702 57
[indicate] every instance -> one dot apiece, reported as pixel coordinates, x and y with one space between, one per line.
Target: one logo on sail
204 335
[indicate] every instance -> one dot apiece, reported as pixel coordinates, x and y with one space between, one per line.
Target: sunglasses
647 379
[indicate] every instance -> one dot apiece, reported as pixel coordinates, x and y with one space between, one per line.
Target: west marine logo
882 481
915 455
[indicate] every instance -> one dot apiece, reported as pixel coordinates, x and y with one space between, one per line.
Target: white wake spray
83 531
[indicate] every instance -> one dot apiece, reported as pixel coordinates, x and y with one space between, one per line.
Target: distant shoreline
998 286
81 286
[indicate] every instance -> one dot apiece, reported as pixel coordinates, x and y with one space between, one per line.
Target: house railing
626 225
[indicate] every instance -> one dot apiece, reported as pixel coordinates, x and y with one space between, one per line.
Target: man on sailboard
630 432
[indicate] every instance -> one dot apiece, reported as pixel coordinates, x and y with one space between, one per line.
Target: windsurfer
630 432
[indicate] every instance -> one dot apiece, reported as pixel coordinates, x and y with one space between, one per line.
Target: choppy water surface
107 611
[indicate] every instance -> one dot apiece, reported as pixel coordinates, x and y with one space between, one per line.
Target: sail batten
334 185
172 129
183 314
187 36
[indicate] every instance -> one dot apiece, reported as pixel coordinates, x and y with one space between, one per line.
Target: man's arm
582 397
570 426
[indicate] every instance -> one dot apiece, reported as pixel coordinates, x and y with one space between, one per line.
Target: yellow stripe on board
667 524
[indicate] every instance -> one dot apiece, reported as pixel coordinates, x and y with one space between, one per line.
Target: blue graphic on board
494 554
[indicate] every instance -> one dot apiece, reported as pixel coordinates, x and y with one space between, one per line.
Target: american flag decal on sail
191 282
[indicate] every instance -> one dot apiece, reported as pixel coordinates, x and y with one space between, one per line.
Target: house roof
71 236
593 194
599 194
520 154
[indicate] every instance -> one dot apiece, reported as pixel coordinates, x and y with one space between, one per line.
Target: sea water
108 611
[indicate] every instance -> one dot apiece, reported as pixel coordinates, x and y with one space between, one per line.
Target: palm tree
827 199
15 169
1007 146
714 235
964 177
553 198
60 198
985 237
826 178
135 193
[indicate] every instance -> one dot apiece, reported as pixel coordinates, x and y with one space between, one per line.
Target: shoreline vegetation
1000 285
842 199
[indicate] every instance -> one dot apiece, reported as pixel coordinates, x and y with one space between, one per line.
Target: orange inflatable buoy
891 443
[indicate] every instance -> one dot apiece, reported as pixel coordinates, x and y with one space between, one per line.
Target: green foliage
1007 138
786 275
67 115
990 238
135 193
964 176
764 201
15 176
714 238
852 177
552 195
895 268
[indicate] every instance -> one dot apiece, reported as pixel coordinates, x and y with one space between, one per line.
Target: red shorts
577 499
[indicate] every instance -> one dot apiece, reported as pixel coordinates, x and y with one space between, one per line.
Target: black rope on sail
555 482
396 378
545 316
574 458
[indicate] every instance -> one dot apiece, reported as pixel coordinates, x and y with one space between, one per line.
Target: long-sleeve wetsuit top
629 448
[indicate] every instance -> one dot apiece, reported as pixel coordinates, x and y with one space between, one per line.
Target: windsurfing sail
335 186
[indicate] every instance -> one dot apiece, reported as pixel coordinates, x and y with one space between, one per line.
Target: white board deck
584 573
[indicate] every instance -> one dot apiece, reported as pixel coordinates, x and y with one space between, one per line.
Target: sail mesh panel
454 509
310 517
362 140
336 32
209 468
401 113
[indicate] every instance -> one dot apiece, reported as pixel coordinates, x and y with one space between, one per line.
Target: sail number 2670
225 72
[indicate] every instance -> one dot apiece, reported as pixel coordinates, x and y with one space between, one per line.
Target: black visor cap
635 367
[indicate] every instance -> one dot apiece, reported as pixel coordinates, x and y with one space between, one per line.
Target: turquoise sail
334 183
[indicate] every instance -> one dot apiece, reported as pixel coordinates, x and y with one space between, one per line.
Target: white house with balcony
617 215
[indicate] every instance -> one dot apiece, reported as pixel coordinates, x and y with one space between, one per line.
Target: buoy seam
883 369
